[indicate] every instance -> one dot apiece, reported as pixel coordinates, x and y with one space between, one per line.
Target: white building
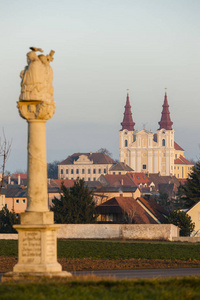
145 151
88 166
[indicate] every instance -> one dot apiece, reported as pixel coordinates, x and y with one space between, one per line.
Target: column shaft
37 167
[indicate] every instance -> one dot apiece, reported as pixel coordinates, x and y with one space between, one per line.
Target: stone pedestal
37 249
37 243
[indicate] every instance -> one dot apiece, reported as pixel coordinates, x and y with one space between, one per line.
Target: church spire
165 121
128 121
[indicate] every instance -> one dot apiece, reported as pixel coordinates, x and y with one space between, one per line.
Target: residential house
182 167
117 180
129 210
164 184
194 213
107 192
120 168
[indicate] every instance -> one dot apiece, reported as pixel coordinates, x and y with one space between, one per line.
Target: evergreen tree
190 191
75 206
7 220
183 221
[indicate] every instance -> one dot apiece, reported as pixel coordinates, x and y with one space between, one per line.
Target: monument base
14 276
37 249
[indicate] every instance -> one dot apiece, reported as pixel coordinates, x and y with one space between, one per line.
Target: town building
194 213
132 211
120 168
105 193
87 166
145 151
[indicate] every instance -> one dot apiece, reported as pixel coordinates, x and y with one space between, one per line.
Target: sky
103 47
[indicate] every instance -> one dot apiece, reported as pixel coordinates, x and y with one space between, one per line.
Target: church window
66 171
163 142
126 143
144 167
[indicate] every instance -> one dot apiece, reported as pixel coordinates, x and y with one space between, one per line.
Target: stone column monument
37 244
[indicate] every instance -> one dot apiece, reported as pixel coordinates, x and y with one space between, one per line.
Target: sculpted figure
37 77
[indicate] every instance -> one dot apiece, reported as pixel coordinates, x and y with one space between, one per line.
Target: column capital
36 110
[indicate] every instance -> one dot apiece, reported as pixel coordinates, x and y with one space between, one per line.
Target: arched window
163 142
126 143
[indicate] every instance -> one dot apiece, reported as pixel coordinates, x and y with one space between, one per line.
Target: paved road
145 273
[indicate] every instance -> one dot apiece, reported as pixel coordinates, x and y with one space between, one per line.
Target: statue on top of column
37 77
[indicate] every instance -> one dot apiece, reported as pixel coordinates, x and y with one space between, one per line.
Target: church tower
145 151
126 133
165 140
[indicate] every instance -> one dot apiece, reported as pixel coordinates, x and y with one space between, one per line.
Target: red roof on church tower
128 121
165 121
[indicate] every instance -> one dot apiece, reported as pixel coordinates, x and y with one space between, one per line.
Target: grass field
185 288
116 250
107 251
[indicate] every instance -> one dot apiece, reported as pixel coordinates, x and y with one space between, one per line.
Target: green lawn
185 288
116 249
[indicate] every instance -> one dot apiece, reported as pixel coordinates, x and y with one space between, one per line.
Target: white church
145 151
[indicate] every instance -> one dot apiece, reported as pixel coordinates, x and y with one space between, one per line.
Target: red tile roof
22 176
119 205
154 208
67 182
139 177
97 158
118 180
121 166
182 161
177 147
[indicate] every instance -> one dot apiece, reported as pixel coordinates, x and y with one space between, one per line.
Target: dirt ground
86 264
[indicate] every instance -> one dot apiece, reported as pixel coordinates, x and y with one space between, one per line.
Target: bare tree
105 151
5 148
128 216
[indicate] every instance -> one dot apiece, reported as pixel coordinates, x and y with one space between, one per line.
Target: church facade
145 151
